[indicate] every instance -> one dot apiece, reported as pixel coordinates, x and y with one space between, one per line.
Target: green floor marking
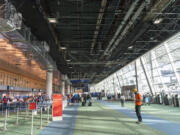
24 127
169 113
101 120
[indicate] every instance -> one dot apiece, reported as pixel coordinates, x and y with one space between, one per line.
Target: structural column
119 82
49 81
135 65
172 63
147 78
115 92
63 87
69 88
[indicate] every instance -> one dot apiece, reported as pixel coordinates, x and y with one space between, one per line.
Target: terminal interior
94 53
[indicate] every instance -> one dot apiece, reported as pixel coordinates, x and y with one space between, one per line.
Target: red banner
57 105
32 106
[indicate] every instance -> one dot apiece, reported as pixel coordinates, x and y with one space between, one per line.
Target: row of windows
158 70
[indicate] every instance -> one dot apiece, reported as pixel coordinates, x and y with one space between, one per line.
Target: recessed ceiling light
63 48
158 20
52 20
130 47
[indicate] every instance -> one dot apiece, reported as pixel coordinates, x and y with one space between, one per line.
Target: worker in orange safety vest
138 104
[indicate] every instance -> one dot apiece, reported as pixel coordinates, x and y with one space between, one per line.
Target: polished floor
109 118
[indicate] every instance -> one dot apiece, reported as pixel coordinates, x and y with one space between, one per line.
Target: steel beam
172 63
118 82
95 63
147 78
128 14
99 20
159 72
136 76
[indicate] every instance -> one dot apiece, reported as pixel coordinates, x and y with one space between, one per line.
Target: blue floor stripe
64 127
164 126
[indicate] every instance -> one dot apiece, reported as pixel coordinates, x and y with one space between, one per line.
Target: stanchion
40 117
48 115
32 124
26 112
8 110
17 116
2 110
14 108
32 106
5 120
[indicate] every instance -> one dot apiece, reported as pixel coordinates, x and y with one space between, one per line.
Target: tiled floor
64 127
109 118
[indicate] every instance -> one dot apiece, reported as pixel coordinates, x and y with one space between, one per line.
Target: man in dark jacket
5 102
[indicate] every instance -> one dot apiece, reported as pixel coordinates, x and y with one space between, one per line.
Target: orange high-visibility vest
138 99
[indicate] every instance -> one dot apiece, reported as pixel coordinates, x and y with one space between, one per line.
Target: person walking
5 102
138 104
147 100
122 100
68 99
89 99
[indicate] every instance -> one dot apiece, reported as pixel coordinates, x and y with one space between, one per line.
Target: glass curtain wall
157 70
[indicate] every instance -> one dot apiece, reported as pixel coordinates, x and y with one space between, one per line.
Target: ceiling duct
128 26
128 14
158 8
10 19
99 20
25 40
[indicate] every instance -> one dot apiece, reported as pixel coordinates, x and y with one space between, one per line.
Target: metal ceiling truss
97 34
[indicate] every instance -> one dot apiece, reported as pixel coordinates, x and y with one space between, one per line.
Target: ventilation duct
10 19
26 41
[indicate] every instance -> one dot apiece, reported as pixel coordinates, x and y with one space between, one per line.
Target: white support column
49 81
63 87
135 65
172 63
146 76
159 72
69 88
115 92
119 83
105 92
122 79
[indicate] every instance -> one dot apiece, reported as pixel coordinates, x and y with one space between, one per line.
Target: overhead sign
79 91
79 81
57 107
32 106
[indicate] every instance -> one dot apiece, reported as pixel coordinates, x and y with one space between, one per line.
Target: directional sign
32 106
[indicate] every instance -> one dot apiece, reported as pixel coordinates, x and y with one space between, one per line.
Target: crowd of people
77 98
6 101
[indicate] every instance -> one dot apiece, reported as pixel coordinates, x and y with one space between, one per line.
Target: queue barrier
22 112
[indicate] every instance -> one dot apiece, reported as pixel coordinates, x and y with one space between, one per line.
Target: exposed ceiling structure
90 39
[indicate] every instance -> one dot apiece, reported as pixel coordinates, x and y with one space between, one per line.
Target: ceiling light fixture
52 20
63 48
68 60
130 47
158 20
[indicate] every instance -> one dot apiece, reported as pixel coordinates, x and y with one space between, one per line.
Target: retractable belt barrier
19 113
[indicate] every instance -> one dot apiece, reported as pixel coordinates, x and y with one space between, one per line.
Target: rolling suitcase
90 104
83 103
